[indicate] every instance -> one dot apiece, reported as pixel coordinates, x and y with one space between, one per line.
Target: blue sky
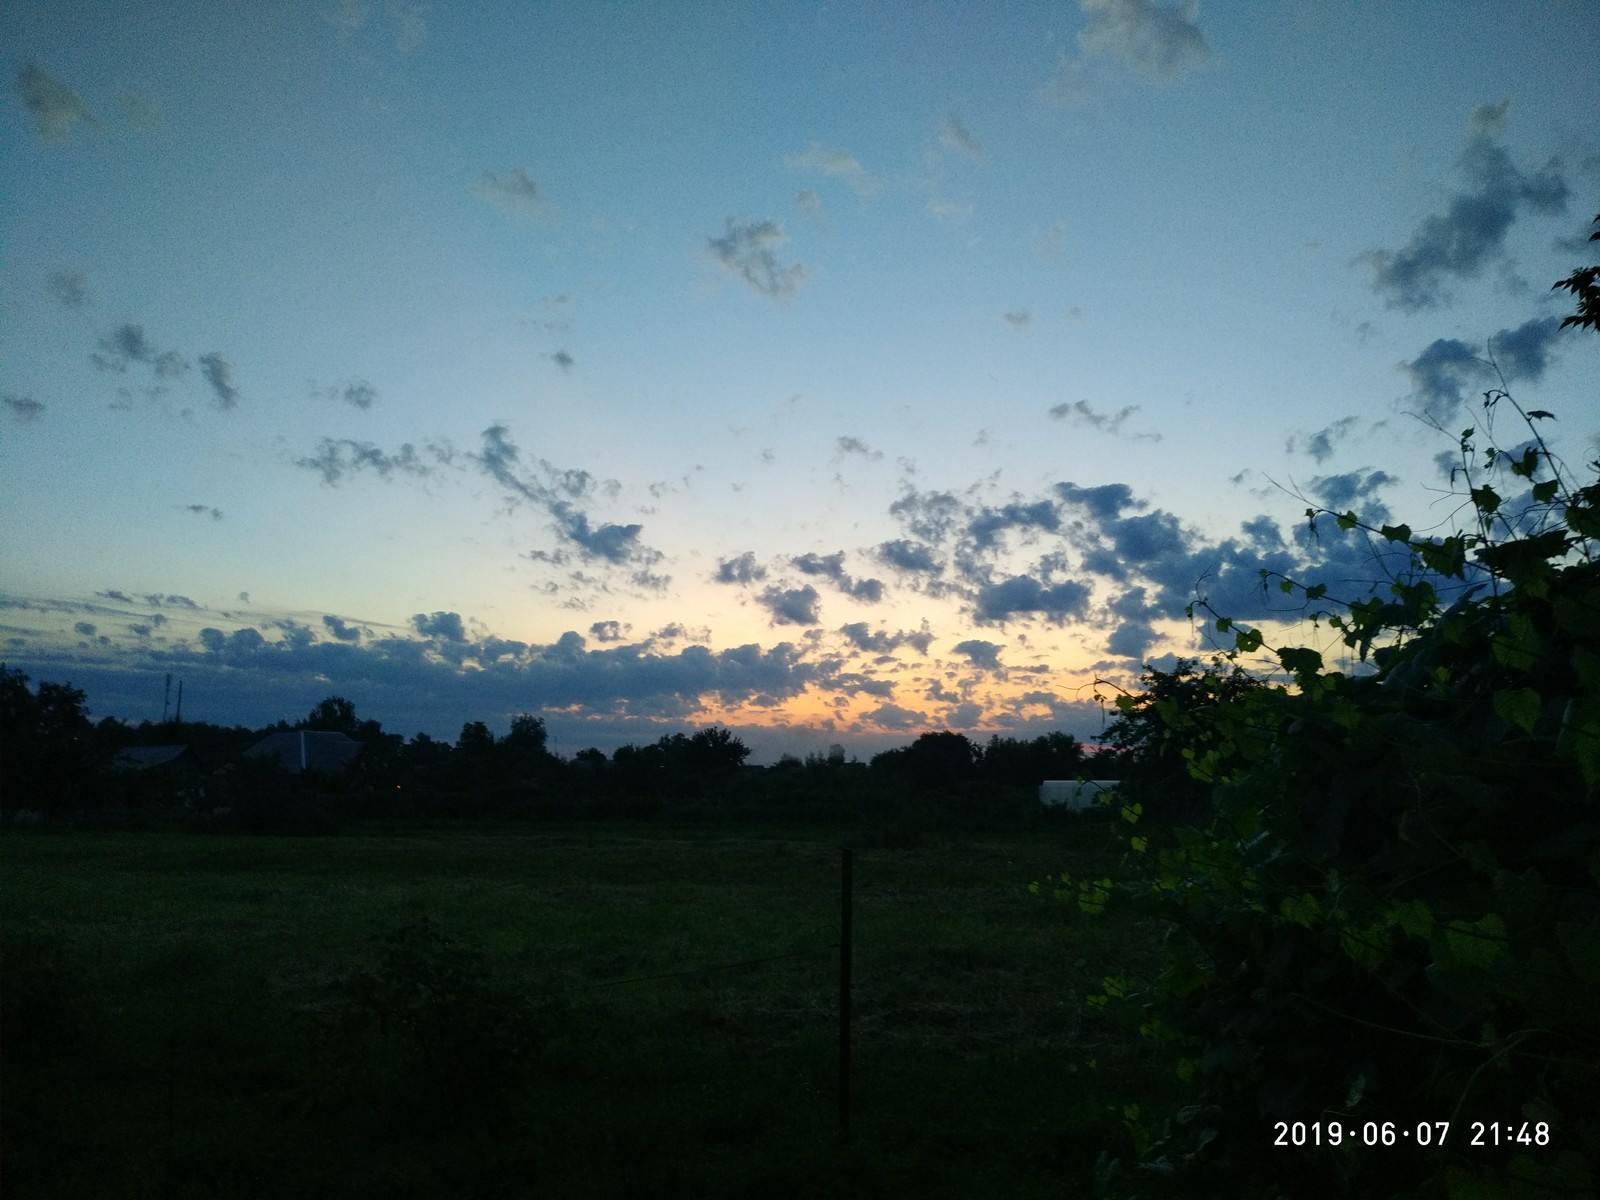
829 373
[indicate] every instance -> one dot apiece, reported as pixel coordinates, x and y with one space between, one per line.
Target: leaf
1579 739
1486 499
1302 661
1348 520
1396 533
1519 706
1302 909
1479 943
1540 414
1545 492
1527 464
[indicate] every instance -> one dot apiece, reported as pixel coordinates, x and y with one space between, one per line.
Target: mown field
448 1011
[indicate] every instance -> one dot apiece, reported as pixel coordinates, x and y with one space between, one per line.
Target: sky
834 373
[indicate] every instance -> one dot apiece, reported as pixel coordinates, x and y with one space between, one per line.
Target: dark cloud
850 445
84 627
1320 445
340 629
1080 414
515 193
614 543
125 344
446 625
338 458
202 510
883 642
1471 233
792 606
218 372
22 408
893 716
1131 639
743 569
1441 372
1353 490
989 523
831 566
606 631
905 555
1024 595
931 516
980 653
747 250
1523 353
55 108
159 600
358 392
1105 502
563 360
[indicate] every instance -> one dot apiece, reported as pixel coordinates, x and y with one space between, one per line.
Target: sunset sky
831 372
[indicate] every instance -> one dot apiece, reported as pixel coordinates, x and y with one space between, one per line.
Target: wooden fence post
845 885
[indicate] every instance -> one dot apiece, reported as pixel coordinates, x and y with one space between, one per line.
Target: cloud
515 193
851 445
1524 352
831 566
1131 639
988 523
218 372
980 653
860 635
1105 502
743 569
358 393
202 510
1081 414
792 606
1155 42
914 557
1439 374
56 109
1353 489
340 629
746 250
141 112
563 360
606 631
836 164
445 625
1470 234
956 137
1022 594
70 287
337 458
1019 321
1320 445
22 408
614 543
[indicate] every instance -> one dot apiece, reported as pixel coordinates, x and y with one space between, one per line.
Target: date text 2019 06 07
1423 1133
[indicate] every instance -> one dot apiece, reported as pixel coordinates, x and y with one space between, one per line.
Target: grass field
210 1015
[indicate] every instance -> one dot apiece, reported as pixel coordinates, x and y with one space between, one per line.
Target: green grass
179 1015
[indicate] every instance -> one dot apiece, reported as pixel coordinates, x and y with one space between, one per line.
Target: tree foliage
1390 911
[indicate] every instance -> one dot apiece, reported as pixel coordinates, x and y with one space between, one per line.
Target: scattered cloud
340 629
447 626
1470 234
606 631
358 393
1443 373
747 250
22 408
980 653
515 193
55 108
836 164
743 569
956 137
218 372
563 360
1080 414
1023 595
831 566
851 445
339 458
202 510
1321 444
1158 43
792 606
71 288
1019 320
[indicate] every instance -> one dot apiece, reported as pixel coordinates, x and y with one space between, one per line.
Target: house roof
139 758
308 750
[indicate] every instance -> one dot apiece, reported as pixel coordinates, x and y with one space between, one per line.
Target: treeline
62 768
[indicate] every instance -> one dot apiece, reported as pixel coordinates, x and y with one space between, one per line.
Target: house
301 750
176 759
1074 795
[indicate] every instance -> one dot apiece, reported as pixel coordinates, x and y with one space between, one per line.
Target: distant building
149 758
302 750
836 753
